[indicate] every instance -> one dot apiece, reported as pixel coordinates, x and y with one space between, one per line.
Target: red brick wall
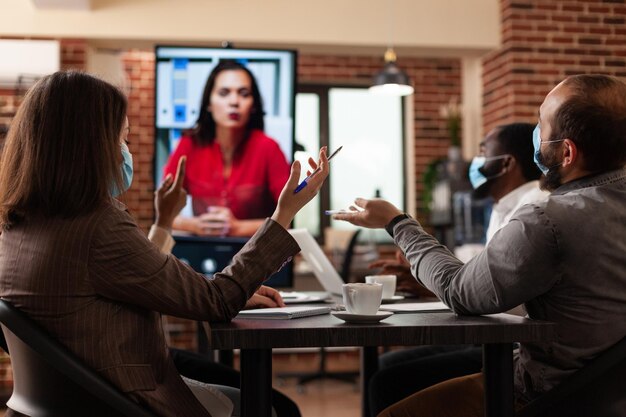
542 43
73 54
139 66
9 101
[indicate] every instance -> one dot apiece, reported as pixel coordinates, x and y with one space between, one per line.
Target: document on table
283 312
293 297
415 307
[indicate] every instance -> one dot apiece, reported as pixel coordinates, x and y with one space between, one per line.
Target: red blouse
259 172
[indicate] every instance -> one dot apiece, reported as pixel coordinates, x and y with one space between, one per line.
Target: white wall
433 27
27 58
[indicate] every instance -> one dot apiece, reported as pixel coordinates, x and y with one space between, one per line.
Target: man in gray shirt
564 258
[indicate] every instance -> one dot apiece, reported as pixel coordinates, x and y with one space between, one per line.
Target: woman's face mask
127 171
476 176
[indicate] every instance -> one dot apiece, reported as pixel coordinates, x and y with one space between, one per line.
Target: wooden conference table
496 333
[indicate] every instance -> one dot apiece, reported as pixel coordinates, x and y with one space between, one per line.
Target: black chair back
596 390
49 381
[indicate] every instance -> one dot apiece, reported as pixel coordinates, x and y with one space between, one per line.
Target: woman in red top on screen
234 171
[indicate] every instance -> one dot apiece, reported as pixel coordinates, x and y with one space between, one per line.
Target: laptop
209 255
313 254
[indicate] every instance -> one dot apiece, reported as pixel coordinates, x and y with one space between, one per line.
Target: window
307 142
370 129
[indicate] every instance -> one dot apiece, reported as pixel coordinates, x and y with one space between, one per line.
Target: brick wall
542 43
139 66
10 99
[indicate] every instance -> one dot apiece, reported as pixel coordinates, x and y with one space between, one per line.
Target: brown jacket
99 286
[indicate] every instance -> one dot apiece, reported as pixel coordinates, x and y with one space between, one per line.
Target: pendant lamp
391 80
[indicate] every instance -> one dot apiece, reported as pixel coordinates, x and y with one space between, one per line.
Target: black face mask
491 172
483 191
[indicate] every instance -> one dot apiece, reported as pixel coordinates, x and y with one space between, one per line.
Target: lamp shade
391 81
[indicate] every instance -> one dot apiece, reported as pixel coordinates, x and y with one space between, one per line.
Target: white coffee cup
388 281
362 298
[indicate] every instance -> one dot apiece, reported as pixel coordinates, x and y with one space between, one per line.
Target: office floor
324 397
320 398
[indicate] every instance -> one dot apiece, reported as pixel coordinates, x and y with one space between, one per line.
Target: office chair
595 390
321 372
49 381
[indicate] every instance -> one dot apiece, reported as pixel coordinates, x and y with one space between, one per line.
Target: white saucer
392 299
361 318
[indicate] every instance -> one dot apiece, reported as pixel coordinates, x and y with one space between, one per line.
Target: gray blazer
99 286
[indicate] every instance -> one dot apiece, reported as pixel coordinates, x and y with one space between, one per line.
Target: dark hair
62 152
203 133
594 118
517 139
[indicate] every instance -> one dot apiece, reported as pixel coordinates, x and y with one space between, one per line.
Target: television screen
210 255
181 73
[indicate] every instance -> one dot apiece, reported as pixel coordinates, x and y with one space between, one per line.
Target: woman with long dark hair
234 171
73 259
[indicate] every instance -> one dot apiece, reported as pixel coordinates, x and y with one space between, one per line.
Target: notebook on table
296 297
415 307
283 312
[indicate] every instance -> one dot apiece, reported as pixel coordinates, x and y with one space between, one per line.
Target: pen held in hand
304 182
341 211
354 209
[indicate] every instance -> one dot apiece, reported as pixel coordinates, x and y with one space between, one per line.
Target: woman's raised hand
290 202
170 197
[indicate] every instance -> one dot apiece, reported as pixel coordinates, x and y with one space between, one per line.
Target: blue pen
305 181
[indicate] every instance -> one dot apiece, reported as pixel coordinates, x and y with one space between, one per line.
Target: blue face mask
537 145
476 177
127 171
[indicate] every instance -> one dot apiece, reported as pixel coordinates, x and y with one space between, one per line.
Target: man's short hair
594 118
517 139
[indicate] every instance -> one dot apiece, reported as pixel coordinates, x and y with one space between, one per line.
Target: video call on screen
181 74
